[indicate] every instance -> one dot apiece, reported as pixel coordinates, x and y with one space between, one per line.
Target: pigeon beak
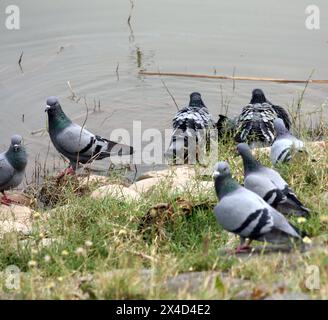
47 108
215 174
16 146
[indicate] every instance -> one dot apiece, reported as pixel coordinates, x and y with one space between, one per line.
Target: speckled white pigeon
269 184
191 125
12 167
246 214
285 144
76 143
255 123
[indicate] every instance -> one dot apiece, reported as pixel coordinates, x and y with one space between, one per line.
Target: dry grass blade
171 95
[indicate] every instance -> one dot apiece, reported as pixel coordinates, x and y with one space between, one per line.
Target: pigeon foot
6 201
66 172
243 249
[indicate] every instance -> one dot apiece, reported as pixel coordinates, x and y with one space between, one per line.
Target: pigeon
269 184
246 214
12 167
191 127
285 144
255 123
76 143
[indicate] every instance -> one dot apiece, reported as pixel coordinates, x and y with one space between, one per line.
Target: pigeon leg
243 247
5 200
66 172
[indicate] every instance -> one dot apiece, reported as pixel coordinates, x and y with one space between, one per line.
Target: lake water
84 41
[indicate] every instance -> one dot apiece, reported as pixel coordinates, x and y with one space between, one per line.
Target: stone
15 218
93 180
146 185
20 198
174 171
116 191
289 296
195 282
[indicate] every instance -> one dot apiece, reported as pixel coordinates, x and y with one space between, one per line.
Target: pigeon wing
6 170
283 114
76 140
250 218
265 188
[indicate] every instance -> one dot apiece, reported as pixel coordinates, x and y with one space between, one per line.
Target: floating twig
42 131
61 48
20 61
131 38
117 74
191 75
105 119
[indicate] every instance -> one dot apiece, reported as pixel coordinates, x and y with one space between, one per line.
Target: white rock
15 219
94 179
146 184
20 198
116 191
174 171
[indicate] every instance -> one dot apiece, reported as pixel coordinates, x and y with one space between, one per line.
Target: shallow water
83 42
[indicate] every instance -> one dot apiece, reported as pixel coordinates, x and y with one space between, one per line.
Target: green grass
99 252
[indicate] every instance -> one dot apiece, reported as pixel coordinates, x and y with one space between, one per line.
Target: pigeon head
16 153
53 106
221 169
258 96
57 118
223 182
16 142
280 127
196 100
250 163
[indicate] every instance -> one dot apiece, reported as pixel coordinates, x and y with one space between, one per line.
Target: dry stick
105 119
136 172
72 91
20 61
129 21
82 128
171 95
191 75
299 104
117 74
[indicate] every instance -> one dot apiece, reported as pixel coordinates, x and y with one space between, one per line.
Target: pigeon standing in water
76 143
255 123
269 184
12 167
285 144
191 130
244 213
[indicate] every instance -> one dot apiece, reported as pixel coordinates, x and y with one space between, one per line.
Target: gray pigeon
12 167
76 143
191 133
269 184
246 214
285 144
255 123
